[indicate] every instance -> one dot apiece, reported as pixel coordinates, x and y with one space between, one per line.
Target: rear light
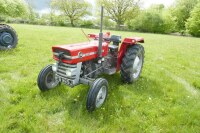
133 41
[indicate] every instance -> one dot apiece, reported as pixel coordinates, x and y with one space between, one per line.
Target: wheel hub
137 66
101 96
6 39
50 80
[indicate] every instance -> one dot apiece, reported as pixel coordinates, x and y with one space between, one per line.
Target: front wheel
132 63
46 79
97 94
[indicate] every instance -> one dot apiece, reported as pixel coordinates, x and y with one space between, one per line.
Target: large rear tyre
132 63
97 94
8 37
46 79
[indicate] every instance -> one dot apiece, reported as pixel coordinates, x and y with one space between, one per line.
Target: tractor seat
115 39
113 47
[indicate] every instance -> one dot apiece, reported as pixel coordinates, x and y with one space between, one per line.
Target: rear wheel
132 63
97 94
46 79
8 37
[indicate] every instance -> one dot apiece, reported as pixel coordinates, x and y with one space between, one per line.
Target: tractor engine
111 58
91 69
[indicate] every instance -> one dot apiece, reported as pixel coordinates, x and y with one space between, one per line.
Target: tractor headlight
68 73
55 67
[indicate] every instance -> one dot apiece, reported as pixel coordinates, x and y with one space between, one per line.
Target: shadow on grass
9 52
122 99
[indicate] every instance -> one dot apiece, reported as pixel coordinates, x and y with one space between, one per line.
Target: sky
42 6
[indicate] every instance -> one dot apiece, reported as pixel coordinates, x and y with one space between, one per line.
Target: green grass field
165 99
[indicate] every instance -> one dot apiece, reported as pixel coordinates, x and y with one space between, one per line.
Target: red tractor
82 63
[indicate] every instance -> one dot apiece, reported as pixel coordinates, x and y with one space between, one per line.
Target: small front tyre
97 94
46 79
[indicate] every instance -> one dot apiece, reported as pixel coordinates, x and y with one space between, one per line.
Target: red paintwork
96 36
89 47
131 40
85 48
127 42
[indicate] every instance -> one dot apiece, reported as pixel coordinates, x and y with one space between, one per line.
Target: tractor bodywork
80 52
78 63
82 63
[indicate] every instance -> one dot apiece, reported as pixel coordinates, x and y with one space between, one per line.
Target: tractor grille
62 68
61 74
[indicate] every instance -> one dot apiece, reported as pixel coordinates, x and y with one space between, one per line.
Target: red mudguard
125 44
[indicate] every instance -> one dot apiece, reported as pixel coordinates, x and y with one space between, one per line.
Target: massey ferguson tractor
83 63
8 37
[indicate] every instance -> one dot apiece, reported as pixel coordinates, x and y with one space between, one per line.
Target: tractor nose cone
6 39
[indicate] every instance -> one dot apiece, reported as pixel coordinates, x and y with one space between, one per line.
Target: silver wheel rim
50 80
101 96
137 66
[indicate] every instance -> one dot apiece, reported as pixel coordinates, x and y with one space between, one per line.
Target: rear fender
125 44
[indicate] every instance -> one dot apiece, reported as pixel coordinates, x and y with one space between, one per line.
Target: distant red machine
83 63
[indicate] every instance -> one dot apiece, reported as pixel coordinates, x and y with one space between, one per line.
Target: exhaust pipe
100 35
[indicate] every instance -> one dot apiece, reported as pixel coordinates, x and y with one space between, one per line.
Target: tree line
182 17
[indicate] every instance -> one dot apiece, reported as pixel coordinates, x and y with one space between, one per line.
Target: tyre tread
91 98
127 62
9 28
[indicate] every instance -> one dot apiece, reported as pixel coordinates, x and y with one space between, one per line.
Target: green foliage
119 14
59 20
74 10
193 24
107 23
119 10
181 11
51 19
169 24
155 20
13 8
165 98
87 24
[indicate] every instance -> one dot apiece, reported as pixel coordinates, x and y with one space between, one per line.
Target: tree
193 24
155 19
119 10
148 21
181 11
13 8
73 9
169 24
